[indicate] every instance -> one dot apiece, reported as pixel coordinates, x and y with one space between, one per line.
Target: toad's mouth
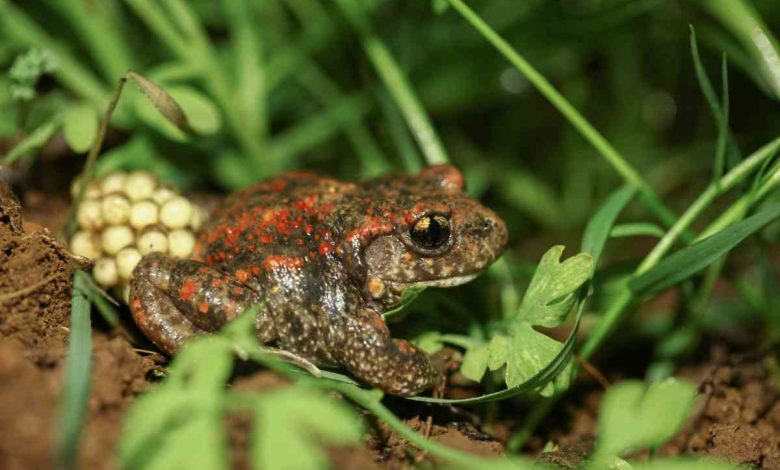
445 282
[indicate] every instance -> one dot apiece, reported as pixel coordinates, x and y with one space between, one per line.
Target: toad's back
281 216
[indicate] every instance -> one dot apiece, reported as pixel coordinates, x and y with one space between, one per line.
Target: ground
737 416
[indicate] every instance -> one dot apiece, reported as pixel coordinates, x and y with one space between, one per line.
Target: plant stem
620 306
397 84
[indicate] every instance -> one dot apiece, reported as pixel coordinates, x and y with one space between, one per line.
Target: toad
325 259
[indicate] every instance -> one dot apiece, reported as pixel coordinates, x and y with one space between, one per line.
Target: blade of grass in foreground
690 260
73 404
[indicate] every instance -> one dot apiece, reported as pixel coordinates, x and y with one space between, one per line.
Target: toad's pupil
431 231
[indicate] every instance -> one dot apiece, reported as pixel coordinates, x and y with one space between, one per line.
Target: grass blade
600 225
689 261
577 120
73 404
397 84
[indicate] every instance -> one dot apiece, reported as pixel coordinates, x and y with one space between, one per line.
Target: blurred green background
276 85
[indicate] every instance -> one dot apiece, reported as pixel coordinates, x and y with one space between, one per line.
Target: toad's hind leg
158 319
187 297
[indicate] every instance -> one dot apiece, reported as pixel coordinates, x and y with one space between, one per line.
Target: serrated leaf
291 425
80 126
550 294
633 416
530 351
474 362
523 351
166 105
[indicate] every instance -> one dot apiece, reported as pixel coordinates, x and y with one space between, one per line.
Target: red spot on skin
279 261
135 304
308 229
242 275
237 290
216 282
203 307
187 290
278 184
405 347
379 323
203 270
266 239
255 270
325 248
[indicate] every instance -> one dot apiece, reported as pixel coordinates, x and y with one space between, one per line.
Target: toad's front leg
172 300
365 347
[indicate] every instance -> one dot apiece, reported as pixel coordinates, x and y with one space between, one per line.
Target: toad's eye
430 232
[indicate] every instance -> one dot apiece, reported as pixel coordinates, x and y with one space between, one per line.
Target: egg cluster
125 216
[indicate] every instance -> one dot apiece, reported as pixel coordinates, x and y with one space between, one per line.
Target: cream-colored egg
163 194
86 244
139 185
116 238
113 182
90 215
123 292
176 212
197 218
126 261
92 191
152 240
115 209
143 213
181 243
105 272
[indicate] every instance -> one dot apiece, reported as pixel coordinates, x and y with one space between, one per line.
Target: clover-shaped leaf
634 416
521 349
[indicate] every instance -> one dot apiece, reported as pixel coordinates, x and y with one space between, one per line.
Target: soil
738 416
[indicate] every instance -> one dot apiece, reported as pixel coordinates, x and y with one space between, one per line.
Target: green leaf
690 260
600 225
475 361
551 293
638 229
429 341
292 424
533 361
633 416
407 297
80 127
682 463
78 368
182 418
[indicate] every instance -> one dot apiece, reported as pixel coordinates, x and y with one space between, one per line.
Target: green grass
592 121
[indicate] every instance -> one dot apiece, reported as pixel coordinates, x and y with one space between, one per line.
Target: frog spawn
124 216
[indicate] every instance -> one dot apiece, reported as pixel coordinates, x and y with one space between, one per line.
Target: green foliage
289 425
26 70
180 423
633 416
75 395
521 349
80 127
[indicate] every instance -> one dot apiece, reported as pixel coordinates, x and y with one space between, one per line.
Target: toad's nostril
488 224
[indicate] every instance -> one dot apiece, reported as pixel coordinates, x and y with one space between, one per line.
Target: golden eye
431 231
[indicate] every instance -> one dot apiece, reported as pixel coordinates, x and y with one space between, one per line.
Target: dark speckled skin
326 258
